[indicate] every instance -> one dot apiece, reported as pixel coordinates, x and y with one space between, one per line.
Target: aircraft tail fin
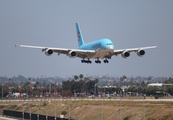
79 35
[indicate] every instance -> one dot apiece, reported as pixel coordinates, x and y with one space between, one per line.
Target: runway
6 118
87 99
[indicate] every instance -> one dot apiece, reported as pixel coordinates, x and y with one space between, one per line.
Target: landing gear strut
108 57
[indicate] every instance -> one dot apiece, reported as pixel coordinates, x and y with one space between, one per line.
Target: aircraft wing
86 53
120 51
80 53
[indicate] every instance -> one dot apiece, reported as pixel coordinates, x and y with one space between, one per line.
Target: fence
21 115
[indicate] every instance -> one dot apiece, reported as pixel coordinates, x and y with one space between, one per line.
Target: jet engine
49 52
141 53
125 54
72 54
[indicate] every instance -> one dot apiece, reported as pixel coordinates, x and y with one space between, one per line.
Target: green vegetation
78 86
63 113
45 104
127 118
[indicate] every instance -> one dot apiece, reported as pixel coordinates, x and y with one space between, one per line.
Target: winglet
17 45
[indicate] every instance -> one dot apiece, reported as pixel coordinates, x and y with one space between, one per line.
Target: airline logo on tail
78 34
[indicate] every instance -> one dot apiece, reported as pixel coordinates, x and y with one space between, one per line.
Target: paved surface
77 99
6 118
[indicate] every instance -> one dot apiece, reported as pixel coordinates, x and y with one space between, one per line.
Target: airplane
99 49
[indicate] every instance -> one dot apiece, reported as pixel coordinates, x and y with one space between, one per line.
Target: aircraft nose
110 47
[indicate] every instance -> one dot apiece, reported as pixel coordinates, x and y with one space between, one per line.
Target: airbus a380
100 49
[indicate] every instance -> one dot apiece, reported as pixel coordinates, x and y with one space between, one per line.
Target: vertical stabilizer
79 35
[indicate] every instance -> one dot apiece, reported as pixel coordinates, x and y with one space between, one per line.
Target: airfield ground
97 109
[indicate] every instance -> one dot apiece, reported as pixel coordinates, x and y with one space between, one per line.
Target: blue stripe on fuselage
99 44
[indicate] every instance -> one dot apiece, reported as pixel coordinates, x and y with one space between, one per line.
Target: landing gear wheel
106 61
98 61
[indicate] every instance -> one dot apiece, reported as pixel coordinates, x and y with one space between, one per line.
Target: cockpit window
109 43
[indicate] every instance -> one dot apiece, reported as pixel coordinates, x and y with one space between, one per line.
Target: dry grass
92 110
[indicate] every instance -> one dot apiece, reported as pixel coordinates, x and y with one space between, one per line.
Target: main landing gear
105 61
97 61
86 61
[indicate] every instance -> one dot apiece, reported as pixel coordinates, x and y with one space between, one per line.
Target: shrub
45 104
63 113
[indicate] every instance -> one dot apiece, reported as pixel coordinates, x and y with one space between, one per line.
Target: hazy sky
128 24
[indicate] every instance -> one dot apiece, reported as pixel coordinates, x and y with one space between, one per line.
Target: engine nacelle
72 54
49 52
125 54
141 53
